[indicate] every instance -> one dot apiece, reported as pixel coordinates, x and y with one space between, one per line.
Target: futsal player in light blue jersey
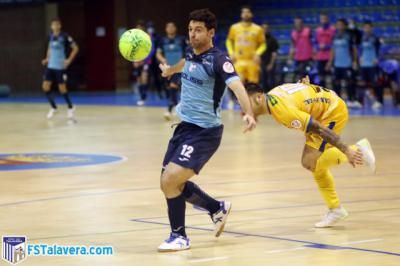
344 61
206 72
61 52
170 50
369 59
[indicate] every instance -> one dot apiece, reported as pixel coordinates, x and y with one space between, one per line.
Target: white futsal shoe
51 113
332 217
219 218
175 242
368 155
168 116
71 113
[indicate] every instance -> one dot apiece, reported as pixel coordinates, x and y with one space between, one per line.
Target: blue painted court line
130 99
307 244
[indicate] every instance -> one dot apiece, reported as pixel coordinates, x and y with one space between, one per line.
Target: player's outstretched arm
354 157
244 101
167 71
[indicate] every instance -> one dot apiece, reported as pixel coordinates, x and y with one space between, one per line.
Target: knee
62 90
46 87
308 164
168 181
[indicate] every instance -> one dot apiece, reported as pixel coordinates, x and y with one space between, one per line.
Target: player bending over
321 115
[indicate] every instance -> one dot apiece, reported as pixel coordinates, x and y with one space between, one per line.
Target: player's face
246 15
367 29
323 19
298 23
199 35
258 104
340 26
266 28
170 29
55 26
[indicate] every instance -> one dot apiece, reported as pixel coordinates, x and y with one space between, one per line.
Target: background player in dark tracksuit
141 69
57 61
369 53
171 50
206 72
344 58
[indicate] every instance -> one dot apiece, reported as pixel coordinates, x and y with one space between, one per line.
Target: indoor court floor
275 201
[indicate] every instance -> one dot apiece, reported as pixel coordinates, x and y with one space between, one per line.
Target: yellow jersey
293 105
245 39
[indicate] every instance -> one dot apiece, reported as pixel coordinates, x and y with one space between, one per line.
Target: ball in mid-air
135 45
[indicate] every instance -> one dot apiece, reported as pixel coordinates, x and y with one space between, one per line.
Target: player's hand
165 70
233 58
137 64
355 65
269 67
328 66
45 61
250 123
354 156
67 62
305 80
257 59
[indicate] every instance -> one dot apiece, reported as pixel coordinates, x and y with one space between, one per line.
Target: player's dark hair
324 14
368 22
141 23
252 88
344 21
206 16
56 20
246 7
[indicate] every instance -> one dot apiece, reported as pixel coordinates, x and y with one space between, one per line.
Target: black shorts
369 74
192 146
321 67
137 71
55 75
175 79
343 73
302 68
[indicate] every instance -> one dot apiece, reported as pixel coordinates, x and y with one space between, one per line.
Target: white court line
362 241
284 250
208 259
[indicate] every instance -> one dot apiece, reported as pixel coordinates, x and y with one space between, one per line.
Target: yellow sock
333 156
324 178
326 186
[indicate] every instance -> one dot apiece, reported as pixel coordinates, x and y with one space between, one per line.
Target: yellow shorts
248 70
291 117
336 120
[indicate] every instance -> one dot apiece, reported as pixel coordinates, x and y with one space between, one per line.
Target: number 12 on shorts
187 150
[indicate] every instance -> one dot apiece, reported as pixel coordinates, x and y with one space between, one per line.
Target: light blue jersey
59 46
173 49
343 45
369 51
204 80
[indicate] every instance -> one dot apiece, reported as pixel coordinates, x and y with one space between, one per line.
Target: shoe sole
221 229
368 153
171 250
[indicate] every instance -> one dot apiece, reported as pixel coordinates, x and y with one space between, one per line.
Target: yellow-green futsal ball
135 45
